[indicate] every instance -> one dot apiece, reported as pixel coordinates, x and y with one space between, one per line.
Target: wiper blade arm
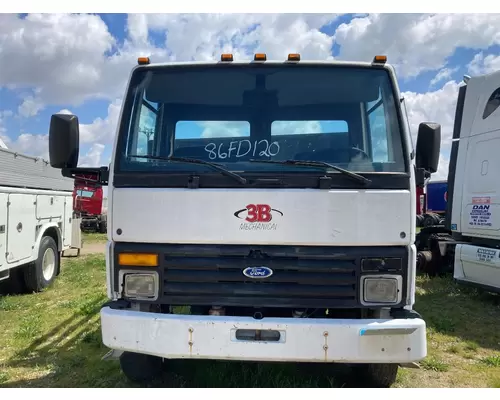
305 163
215 166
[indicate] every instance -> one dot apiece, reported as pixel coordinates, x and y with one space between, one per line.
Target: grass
53 339
92 237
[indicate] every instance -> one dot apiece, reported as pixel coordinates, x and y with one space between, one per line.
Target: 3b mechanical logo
258 217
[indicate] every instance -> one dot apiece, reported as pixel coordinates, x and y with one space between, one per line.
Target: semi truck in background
89 203
36 221
468 243
432 199
255 193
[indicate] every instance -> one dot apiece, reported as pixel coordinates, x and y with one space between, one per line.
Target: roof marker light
226 57
260 57
379 60
294 57
143 61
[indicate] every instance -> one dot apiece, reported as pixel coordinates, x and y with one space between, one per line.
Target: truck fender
41 233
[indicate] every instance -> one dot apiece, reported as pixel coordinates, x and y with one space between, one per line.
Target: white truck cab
256 193
468 243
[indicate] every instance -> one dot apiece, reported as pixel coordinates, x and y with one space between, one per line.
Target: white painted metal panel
476 197
287 216
21 227
67 230
18 170
480 265
301 339
3 229
76 234
49 206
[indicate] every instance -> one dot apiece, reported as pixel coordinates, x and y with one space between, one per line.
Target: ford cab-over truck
255 193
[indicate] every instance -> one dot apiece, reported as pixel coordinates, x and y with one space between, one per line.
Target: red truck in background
88 203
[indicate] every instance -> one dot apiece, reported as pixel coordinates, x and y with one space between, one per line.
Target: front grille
220 279
303 276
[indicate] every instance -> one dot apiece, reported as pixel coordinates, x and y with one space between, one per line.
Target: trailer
36 221
468 242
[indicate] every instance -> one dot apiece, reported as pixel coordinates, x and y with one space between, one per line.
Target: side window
492 104
147 128
378 131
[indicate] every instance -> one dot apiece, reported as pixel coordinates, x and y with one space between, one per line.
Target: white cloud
414 42
38 146
65 59
442 75
30 107
296 127
65 111
93 156
59 55
437 106
205 36
30 144
484 65
214 129
102 130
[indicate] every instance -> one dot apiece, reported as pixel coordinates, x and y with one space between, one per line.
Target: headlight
141 286
381 289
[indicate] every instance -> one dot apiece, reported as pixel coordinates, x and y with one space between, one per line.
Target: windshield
233 115
84 193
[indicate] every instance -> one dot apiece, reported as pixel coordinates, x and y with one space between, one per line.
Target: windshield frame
127 119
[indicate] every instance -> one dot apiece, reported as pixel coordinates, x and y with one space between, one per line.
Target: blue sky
86 69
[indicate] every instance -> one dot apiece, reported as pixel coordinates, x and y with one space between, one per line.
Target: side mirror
428 146
64 138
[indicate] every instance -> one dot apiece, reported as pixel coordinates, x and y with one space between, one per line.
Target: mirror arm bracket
421 177
102 174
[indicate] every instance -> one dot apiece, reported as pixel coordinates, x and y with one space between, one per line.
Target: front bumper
301 340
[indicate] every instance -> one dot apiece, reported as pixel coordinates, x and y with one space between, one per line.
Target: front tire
376 375
44 270
141 368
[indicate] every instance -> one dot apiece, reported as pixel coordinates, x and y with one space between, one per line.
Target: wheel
141 368
102 227
420 220
43 271
376 375
429 220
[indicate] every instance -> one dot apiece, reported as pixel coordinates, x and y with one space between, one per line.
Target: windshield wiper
215 166
304 163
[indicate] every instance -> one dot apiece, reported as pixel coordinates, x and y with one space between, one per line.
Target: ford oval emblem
257 272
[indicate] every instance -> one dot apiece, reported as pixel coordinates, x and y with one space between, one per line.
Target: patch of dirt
88 248
93 248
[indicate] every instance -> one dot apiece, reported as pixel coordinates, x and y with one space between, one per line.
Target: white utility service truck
469 241
36 221
257 194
